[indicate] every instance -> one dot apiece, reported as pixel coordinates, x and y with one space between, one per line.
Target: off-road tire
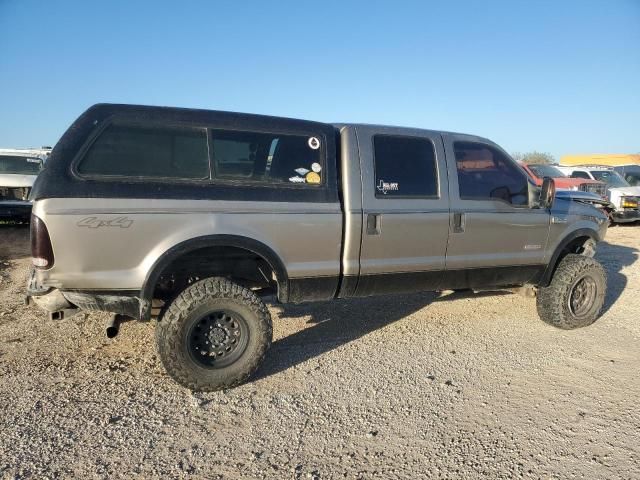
554 302
174 327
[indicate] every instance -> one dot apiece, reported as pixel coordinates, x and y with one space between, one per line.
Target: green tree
534 157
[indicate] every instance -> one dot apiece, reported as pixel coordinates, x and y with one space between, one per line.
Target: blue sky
555 76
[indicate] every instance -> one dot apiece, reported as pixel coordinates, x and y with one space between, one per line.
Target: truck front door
496 239
405 203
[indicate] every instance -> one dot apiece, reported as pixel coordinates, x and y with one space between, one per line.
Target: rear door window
148 151
405 167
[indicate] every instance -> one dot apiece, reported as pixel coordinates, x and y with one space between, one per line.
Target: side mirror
547 192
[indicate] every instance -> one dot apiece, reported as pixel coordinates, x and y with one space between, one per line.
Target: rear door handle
458 222
373 224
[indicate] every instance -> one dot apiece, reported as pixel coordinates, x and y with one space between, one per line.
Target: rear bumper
626 216
65 303
14 208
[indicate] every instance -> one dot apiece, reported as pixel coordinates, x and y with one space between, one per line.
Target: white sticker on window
385 187
314 143
296 180
301 171
316 167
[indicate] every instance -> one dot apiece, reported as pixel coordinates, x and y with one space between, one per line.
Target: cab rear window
145 151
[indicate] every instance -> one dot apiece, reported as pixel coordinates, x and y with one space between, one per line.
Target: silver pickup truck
196 217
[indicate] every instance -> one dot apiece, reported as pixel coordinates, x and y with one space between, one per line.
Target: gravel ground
451 386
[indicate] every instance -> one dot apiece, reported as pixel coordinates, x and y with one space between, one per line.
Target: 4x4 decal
95 222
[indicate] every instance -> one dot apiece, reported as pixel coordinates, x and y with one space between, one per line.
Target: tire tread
551 301
168 338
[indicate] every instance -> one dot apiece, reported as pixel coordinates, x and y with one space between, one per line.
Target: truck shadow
340 322
615 258
343 321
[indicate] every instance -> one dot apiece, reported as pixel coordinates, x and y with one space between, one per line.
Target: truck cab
426 209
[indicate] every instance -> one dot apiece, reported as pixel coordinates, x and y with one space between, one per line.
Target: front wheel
214 335
575 296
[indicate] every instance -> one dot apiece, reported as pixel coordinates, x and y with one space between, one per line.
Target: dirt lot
452 386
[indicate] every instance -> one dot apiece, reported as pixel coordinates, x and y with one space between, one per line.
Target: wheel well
579 245
241 265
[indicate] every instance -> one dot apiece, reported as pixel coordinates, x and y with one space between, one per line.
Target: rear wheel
575 296
214 335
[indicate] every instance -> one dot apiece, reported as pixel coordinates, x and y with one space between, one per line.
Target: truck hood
16 180
626 191
568 182
567 206
580 196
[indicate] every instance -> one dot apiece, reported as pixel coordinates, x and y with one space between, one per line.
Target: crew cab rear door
495 239
405 203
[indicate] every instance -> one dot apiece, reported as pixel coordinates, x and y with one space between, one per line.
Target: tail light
41 249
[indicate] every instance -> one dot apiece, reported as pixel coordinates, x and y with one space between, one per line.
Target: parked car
538 171
622 195
595 192
202 215
18 170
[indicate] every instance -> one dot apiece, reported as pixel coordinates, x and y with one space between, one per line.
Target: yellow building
611 159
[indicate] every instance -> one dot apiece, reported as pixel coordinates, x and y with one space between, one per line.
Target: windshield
633 179
546 171
20 165
610 177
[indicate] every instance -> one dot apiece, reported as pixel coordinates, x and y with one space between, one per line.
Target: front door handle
458 222
373 224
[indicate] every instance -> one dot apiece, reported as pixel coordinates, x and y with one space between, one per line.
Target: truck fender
220 240
545 279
